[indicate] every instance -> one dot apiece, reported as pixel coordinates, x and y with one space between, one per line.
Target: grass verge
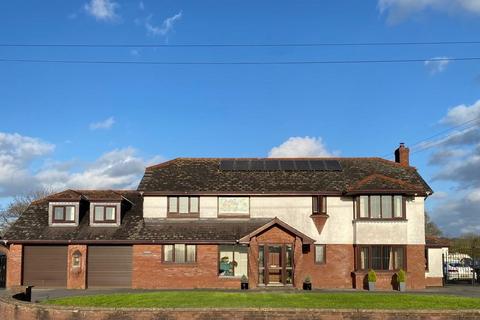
209 299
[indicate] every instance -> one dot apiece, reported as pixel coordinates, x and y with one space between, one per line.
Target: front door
276 264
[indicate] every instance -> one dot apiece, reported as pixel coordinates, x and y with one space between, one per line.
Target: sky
98 125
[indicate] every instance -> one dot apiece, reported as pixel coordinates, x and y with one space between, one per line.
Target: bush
401 276
307 279
372 276
244 279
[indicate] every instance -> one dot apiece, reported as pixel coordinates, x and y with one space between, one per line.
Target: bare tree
18 205
431 228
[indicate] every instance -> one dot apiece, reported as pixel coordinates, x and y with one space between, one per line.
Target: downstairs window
233 261
381 257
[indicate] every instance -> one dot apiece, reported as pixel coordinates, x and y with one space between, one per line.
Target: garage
45 266
109 266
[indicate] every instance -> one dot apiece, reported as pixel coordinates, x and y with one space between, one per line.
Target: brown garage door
45 266
109 266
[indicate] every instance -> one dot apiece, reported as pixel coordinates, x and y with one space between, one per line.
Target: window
319 205
320 254
380 207
63 214
183 205
233 261
180 253
76 259
233 206
104 214
380 257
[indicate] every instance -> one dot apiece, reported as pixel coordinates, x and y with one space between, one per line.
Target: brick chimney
402 155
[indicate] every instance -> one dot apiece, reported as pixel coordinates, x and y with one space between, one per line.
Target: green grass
206 299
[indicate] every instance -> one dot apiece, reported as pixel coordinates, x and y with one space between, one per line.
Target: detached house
203 223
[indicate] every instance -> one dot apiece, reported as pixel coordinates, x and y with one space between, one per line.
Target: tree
431 228
18 205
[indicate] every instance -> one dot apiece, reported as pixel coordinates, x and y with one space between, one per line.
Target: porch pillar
298 263
253 263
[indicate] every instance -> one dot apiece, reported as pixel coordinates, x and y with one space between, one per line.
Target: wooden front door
276 264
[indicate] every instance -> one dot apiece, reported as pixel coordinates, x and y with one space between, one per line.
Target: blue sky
97 126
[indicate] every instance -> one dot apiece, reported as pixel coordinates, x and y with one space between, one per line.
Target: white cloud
102 9
17 154
105 124
398 10
165 28
301 147
437 64
457 160
25 166
117 169
462 113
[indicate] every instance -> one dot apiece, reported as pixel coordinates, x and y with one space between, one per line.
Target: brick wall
434 282
150 272
386 279
14 265
337 270
16 310
77 276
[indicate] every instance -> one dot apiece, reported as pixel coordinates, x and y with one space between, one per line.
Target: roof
203 175
437 242
33 226
277 222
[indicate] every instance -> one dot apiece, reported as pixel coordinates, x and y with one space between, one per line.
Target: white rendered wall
434 262
155 207
208 207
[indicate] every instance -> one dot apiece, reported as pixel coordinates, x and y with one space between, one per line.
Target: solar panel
302 165
226 164
287 165
332 165
271 165
242 165
257 165
317 165
280 165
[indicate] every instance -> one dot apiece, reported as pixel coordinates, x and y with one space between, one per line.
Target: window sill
185 264
183 215
380 220
236 278
63 224
380 272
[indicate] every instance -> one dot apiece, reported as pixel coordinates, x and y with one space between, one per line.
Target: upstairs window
183 205
380 207
105 214
63 214
319 205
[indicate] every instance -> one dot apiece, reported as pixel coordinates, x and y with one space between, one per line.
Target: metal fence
461 265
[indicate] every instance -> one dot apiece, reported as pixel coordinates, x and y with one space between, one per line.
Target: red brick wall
434 282
275 235
150 272
335 273
14 265
415 272
16 310
76 277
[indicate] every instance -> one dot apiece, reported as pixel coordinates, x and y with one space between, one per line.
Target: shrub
372 276
308 279
401 276
244 279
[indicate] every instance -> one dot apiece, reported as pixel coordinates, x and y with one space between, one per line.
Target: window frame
95 206
233 258
177 214
369 247
319 204
324 254
369 215
174 254
64 220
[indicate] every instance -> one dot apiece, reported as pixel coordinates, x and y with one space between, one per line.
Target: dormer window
63 214
105 214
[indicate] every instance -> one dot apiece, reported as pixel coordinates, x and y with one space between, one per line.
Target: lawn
201 299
